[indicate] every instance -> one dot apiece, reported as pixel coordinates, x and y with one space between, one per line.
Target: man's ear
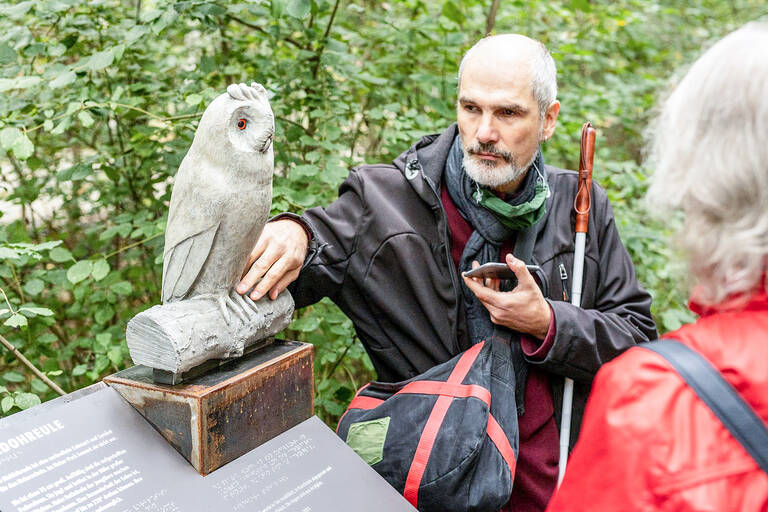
550 120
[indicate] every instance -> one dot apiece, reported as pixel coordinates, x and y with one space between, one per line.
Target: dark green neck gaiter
516 216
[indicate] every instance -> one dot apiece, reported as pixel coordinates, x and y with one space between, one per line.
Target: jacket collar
425 162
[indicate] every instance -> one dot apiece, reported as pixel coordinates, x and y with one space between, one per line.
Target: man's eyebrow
514 107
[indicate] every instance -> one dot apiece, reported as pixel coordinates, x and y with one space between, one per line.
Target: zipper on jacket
446 245
564 281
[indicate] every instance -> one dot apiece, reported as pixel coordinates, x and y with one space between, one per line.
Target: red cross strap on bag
447 438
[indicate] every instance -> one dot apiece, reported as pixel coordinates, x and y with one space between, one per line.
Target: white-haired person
648 442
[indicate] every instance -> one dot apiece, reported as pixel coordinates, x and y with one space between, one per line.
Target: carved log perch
178 336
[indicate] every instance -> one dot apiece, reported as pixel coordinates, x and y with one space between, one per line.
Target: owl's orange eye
241 123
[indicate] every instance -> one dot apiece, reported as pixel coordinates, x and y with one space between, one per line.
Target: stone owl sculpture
219 204
220 200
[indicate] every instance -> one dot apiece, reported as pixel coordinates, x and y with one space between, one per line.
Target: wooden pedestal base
214 418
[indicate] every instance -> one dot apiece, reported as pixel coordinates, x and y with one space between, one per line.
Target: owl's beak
267 144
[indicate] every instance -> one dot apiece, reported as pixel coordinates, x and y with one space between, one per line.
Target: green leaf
115 355
100 364
7 54
47 246
104 315
22 147
276 8
39 386
85 118
63 79
60 255
34 286
193 99
452 12
7 403
37 310
118 51
100 60
3 389
63 125
79 370
13 377
151 15
104 338
27 400
8 253
582 5
298 8
8 136
212 10
135 33
306 324
16 320
100 269
81 171
19 10
122 288
21 82
79 271
47 338
74 173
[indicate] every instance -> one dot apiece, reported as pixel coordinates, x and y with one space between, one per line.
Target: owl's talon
237 309
238 299
246 302
223 308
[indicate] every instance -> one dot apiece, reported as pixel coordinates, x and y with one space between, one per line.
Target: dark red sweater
536 474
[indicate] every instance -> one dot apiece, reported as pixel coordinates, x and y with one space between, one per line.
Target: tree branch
490 21
323 43
259 29
13 350
122 105
131 246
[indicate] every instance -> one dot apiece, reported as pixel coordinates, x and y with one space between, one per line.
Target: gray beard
494 175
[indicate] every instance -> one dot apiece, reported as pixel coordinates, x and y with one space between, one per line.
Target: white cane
581 204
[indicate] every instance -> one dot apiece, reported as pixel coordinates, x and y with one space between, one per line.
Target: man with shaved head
392 249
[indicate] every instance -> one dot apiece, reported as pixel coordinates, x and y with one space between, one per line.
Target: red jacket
649 443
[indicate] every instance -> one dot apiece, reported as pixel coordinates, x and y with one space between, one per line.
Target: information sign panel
94 453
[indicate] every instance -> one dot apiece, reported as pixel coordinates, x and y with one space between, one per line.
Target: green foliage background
99 101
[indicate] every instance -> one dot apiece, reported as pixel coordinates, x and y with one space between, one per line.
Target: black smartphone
498 271
502 271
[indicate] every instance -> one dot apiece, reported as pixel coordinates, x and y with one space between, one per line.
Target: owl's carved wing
183 262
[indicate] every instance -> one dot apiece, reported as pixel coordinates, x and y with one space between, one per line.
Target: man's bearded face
499 119
493 173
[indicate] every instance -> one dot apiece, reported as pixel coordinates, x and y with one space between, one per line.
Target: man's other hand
523 309
276 259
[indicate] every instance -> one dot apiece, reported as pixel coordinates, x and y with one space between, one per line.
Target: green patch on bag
367 439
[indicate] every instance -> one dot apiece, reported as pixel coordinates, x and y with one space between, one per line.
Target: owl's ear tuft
234 92
259 89
242 92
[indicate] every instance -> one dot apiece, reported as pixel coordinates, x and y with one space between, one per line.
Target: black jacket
381 253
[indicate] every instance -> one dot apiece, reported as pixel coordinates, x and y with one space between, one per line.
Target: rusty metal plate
214 418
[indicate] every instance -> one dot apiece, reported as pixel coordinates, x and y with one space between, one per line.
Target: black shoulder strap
738 417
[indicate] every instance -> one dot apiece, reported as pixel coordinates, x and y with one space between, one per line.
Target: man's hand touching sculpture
275 260
523 309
